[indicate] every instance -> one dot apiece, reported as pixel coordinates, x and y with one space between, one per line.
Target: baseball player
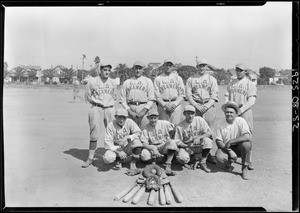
101 93
243 92
202 93
169 93
195 136
233 136
137 95
76 85
122 139
156 139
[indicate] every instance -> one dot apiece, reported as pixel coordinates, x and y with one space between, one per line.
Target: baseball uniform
242 92
169 89
200 90
114 136
196 128
137 94
102 95
158 136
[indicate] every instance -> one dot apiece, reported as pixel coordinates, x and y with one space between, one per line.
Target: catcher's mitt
153 182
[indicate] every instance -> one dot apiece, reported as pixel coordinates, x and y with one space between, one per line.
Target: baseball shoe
87 163
132 164
250 166
118 165
211 159
204 167
245 173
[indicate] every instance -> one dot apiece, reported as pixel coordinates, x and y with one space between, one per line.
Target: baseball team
148 126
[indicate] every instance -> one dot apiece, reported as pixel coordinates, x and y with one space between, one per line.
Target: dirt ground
46 139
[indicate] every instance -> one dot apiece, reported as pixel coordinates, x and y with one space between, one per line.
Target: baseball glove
132 172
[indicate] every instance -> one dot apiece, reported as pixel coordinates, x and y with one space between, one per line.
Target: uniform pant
241 149
110 156
161 148
183 156
174 117
98 120
248 116
138 108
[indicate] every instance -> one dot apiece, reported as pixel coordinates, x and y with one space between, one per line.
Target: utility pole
83 57
196 60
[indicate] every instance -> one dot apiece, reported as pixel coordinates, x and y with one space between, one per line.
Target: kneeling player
122 139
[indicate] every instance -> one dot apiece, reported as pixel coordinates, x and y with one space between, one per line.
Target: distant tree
81 74
68 74
186 71
31 75
97 60
5 70
124 72
221 76
19 72
265 74
49 73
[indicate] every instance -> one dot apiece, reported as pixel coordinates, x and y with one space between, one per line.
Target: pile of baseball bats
135 192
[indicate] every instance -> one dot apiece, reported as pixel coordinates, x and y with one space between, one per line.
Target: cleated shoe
245 173
250 166
204 167
118 165
87 163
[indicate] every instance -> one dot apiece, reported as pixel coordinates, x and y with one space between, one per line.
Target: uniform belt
166 100
104 107
201 102
136 103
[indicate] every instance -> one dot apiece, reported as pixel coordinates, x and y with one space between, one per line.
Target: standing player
156 140
122 139
169 93
243 92
137 95
195 136
76 85
202 93
101 93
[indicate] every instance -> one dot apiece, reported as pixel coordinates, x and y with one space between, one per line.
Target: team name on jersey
238 88
104 90
138 86
121 134
156 136
200 85
170 85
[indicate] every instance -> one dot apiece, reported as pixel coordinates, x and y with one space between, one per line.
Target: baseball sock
92 149
204 155
171 154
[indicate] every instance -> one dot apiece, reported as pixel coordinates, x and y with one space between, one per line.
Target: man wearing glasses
101 94
137 95
169 93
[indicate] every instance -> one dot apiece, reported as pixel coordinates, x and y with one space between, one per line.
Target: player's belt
136 103
104 107
201 102
170 100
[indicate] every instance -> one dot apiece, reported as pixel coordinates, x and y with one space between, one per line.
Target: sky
49 36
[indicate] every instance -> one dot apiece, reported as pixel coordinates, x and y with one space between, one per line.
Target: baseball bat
151 197
168 194
131 193
123 193
162 196
176 193
138 195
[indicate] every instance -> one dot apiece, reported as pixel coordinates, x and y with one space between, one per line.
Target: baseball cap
168 61
105 65
231 104
139 63
153 112
189 108
122 112
201 61
241 66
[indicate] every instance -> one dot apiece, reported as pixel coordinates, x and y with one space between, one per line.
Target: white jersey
202 88
196 128
168 87
137 90
158 134
226 131
240 91
100 92
115 133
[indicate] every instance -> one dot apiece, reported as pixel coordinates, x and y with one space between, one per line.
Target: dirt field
46 139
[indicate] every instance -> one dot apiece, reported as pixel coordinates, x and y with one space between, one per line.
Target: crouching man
157 141
233 138
122 139
195 136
